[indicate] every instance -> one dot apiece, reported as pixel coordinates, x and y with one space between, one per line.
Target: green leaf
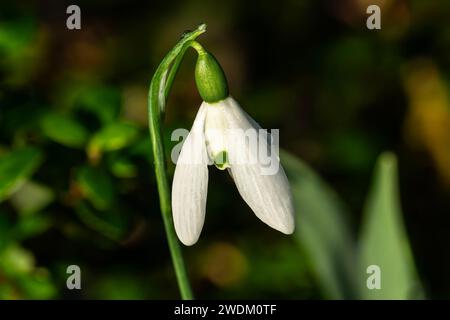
30 226
16 35
103 101
112 137
120 286
102 225
31 197
280 269
322 230
37 285
6 228
15 260
64 130
15 168
20 49
122 167
384 241
30 282
142 148
97 186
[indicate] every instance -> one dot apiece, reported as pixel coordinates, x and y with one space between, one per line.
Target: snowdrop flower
213 139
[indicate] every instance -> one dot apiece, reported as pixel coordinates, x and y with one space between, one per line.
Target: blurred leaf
112 137
322 230
97 186
351 150
29 226
142 148
383 239
15 260
6 225
101 100
64 130
17 265
8 292
22 45
276 267
123 167
123 285
428 119
31 197
16 35
15 168
101 225
37 285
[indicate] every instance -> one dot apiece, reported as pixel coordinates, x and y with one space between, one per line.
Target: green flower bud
210 78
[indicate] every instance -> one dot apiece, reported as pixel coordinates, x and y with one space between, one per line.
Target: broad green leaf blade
384 242
15 168
64 130
112 137
322 230
96 186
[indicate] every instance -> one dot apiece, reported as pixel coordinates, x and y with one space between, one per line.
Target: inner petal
216 127
221 160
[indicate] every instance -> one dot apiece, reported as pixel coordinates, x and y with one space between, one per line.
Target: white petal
190 184
269 196
215 128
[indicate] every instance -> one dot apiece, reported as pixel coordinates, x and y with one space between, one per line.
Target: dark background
339 93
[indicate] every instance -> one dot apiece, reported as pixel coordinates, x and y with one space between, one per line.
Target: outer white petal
269 196
190 184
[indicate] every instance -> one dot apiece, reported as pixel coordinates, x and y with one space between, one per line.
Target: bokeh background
76 179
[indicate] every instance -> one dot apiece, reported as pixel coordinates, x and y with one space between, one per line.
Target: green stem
157 95
198 47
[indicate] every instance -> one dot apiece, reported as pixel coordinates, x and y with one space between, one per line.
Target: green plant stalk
157 95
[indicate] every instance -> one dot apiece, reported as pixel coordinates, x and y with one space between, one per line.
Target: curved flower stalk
222 134
157 95
218 136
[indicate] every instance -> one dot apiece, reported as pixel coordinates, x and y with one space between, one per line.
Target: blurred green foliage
76 181
383 239
15 168
323 230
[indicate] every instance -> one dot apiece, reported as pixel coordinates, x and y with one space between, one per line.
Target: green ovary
221 160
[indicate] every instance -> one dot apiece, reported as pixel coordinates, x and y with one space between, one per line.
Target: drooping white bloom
215 133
